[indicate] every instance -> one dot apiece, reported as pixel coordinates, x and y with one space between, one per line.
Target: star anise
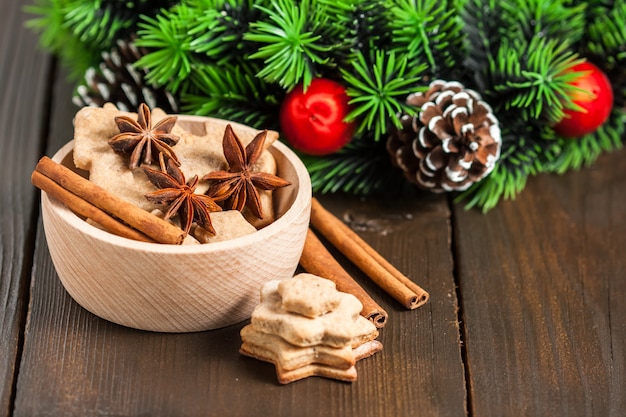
140 139
180 196
238 186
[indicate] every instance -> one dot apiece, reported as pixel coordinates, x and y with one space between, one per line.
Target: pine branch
171 59
220 26
377 90
606 37
585 150
596 8
556 19
56 37
513 25
289 39
361 25
363 167
235 59
429 31
534 79
94 23
486 26
78 31
233 92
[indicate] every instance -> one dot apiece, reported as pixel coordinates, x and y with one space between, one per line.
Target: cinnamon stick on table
317 260
366 258
147 223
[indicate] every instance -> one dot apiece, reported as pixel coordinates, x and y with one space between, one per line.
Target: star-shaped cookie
294 363
335 328
305 327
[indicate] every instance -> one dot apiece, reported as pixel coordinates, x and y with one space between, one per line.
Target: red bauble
313 120
596 106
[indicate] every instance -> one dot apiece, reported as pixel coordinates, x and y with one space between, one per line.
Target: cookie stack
305 327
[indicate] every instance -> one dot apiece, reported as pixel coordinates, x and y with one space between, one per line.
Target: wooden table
526 318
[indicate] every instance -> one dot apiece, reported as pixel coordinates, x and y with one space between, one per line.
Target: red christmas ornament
313 120
596 102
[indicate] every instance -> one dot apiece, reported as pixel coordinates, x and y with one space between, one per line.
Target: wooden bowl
170 288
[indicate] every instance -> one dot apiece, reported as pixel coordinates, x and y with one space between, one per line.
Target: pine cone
118 82
452 142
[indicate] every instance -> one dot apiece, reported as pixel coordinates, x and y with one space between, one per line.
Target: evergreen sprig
486 26
78 31
556 19
534 79
362 167
56 37
584 151
290 43
171 59
95 24
377 88
606 36
220 26
232 92
363 26
430 30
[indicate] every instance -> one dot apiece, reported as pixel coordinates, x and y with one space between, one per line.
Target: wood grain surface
542 286
23 103
526 314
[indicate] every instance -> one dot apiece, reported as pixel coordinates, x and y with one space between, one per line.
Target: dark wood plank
23 88
542 287
75 364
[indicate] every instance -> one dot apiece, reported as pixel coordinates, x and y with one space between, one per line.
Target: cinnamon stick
366 258
86 209
317 260
147 223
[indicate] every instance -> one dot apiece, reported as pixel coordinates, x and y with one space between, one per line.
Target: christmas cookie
327 340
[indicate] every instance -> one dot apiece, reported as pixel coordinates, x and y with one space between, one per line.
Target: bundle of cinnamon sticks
317 260
93 202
